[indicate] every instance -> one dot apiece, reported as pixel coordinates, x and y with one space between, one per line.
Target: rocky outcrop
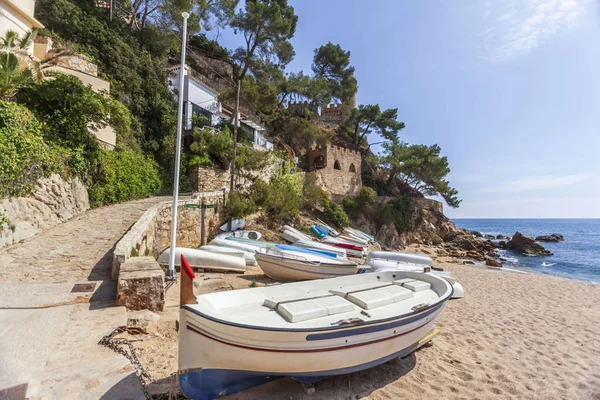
526 245
555 238
53 201
491 262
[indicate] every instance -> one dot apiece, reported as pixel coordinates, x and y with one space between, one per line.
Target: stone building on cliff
335 169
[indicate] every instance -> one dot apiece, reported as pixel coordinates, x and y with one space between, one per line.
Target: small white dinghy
289 266
247 255
235 225
205 260
292 235
254 235
394 261
232 244
231 341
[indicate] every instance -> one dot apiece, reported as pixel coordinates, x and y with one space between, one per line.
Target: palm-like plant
17 65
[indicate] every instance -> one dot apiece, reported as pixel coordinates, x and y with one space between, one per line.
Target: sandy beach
513 336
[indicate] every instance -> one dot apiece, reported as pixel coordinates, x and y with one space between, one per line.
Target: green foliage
400 211
202 160
332 64
362 202
123 175
24 156
69 110
284 198
249 160
238 205
212 144
370 119
421 168
4 221
267 27
135 68
337 215
314 197
204 14
14 54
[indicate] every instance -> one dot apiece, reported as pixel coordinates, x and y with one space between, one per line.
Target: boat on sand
290 266
231 341
205 260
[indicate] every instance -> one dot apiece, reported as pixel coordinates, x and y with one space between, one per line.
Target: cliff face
431 226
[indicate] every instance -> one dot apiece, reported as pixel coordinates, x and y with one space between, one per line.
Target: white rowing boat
248 256
311 244
233 340
289 266
205 260
292 235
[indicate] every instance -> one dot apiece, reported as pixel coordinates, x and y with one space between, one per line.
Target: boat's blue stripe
371 329
207 384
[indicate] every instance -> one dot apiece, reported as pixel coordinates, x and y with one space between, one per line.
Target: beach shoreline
525 336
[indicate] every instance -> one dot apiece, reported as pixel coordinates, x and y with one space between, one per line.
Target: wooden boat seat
304 310
413 284
345 291
369 299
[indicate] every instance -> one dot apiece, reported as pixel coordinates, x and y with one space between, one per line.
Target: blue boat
319 231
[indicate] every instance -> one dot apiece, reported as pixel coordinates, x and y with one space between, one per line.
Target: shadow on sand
355 386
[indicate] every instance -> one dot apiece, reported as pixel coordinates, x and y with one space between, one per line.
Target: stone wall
335 169
151 234
53 201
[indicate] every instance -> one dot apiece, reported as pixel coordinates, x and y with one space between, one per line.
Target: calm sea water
578 257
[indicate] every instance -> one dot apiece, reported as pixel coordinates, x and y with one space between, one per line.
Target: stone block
141 285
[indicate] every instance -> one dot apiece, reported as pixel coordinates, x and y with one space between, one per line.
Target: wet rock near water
526 245
492 262
554 238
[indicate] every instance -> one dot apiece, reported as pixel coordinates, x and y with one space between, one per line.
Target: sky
509 89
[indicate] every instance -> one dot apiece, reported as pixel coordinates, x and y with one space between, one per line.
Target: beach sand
513 336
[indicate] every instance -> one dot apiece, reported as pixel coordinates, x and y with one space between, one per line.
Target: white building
17 15
200 99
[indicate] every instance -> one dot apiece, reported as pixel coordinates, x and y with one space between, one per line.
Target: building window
319 162
336 165
352 168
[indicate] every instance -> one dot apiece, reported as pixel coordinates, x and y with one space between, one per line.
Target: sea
578 257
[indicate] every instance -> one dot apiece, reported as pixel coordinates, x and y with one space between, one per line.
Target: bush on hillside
24 155
69 110
362 202
284 198
337 215
123 175
399 211
238 205
315 198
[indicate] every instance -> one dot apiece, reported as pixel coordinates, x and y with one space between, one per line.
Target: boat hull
228 359
288 270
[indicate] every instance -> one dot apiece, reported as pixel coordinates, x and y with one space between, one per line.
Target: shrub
123 175
314 197
238 205
362 202
337 215
215 145
284 198
200 161
399 211
24 155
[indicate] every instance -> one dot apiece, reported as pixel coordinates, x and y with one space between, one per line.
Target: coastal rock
502 244
526 245
476 234
555 238
490 262
499 237
488 236
468 262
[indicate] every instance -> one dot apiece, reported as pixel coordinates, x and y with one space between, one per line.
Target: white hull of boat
286 269
345 240
205 260
232 244
254 235
350 252
248 256
400 257
360 234
231 343
292 235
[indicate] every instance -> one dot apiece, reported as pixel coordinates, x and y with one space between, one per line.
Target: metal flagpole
171 273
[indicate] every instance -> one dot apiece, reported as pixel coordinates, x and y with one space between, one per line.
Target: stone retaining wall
53 201
151 234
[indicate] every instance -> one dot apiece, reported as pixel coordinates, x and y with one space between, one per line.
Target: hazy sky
509 89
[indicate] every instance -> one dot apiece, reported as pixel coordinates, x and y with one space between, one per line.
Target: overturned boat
247 255
289 266
232 341
292 235
205 260
310 244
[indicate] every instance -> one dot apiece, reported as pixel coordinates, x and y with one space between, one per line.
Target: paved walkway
54 350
